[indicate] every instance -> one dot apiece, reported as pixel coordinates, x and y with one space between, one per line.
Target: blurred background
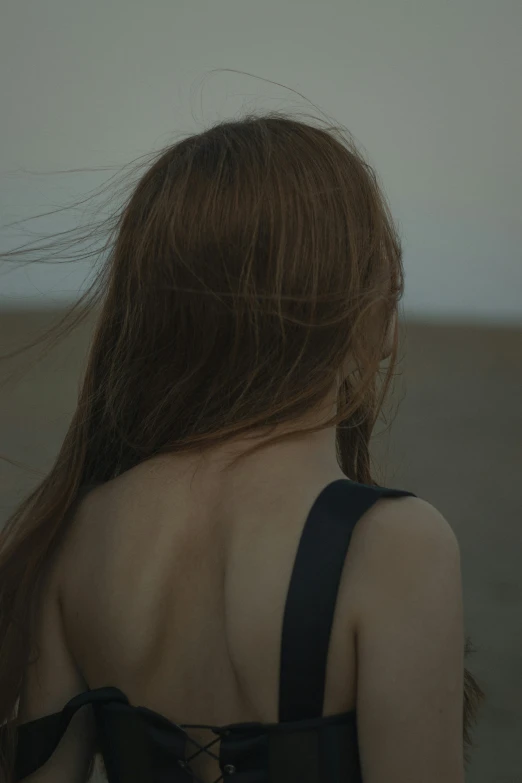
432 93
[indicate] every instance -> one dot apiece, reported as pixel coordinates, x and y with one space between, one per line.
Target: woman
209 582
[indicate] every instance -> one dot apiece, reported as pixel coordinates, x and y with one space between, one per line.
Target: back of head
250 261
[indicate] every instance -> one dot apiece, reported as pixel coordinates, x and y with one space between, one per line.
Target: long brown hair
248 263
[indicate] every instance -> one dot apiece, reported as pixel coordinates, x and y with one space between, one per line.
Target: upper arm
410 645
50 682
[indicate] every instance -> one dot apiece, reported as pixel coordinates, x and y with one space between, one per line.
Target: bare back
173 588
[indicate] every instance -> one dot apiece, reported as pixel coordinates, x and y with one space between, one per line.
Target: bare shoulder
400 546
410 643
399 525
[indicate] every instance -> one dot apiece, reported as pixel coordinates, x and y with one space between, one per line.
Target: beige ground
456 441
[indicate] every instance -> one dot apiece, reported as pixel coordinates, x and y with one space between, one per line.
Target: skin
184 574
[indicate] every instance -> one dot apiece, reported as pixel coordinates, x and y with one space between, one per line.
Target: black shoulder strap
312 594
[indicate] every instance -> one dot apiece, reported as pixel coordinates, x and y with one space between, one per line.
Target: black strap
38 739
312 594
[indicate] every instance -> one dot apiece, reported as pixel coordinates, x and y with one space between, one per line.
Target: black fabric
312 594
139 745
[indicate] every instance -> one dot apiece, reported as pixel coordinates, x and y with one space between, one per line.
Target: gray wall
433 90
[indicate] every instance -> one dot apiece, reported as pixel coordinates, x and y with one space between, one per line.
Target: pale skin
163 548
